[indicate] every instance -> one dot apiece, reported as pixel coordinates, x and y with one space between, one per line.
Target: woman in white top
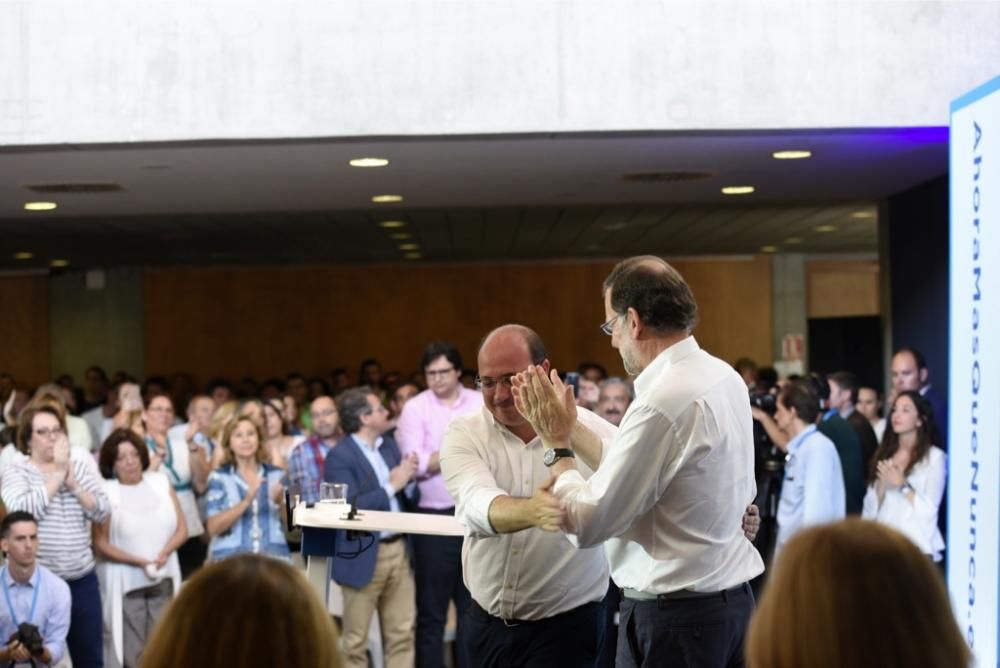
908 474
185 465
140 572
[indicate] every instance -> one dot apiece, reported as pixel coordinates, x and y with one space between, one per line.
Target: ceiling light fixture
768 249
368 162
59 263
387 199
826 228
24 255
737 190
412 256
39 206
409 247
793 240
791 155
401 236
392 224
863 214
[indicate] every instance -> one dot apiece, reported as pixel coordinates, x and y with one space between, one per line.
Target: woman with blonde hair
221 419
854 594
244 493
273 618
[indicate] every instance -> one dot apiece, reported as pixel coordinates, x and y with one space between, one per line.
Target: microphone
352 514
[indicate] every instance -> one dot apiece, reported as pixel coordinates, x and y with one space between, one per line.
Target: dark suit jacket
346 463
845 440
939 405
866 438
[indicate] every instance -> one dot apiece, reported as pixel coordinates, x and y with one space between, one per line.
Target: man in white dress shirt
669 492
536 600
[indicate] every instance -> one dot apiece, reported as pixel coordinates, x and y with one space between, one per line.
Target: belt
679 595
477 609
390 539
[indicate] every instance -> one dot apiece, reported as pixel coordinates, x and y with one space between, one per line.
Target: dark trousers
568 640
438 576
611 602
86 629
192 555
704 632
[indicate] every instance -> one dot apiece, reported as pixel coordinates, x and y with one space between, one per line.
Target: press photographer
35 612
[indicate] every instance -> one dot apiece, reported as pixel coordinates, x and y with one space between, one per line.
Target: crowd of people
115 500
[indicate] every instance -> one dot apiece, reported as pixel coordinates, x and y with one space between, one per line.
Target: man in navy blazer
379 577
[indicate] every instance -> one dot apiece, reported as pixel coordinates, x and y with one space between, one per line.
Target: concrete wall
118 70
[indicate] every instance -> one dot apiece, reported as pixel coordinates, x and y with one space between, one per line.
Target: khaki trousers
391 592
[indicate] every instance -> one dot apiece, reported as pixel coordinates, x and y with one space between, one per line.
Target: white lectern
326 518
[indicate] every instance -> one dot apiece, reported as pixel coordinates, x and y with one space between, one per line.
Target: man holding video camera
34 613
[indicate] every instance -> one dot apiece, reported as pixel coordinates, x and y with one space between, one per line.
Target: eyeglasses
438 373
609 326
487 384
45 433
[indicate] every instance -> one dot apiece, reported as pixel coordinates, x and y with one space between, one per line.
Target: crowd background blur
146 480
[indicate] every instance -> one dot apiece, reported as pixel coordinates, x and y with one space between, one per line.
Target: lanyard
34 597
168 462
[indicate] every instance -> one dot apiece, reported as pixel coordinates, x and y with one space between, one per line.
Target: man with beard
306 461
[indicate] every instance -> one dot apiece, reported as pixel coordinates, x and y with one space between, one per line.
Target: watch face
549 458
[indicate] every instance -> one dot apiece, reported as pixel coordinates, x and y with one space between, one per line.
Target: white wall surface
128 71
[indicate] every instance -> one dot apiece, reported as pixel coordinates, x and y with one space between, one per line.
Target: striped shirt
63 525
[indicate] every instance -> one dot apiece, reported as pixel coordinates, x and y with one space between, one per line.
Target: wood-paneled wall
24 307
269 321
842 288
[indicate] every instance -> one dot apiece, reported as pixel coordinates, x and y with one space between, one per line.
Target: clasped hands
550 408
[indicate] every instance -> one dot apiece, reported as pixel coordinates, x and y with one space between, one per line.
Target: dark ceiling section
442 235
525 197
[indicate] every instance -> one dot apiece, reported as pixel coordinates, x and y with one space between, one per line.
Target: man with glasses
437 559
667 496
379 577
305 462
536 600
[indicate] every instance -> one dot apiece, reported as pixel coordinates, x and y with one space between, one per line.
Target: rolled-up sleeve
469 480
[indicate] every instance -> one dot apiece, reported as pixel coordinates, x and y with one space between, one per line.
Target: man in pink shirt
438 559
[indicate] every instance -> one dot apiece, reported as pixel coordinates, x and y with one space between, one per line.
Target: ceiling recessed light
400 236
826 228
768 249
392 224
23 255
737 190
387 199
791 155
409 247
863 214
39 206
368 162
793 240
412 256
59 263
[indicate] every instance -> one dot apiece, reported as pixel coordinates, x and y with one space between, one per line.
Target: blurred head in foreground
854 593
248 610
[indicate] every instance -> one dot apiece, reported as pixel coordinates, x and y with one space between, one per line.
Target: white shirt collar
664 361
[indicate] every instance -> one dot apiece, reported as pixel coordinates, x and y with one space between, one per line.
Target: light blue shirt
813 489
381 469
51 609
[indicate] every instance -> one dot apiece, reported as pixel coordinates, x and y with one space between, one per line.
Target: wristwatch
906 487
552 455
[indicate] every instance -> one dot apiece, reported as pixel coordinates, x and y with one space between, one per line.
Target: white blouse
917 520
